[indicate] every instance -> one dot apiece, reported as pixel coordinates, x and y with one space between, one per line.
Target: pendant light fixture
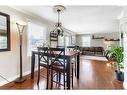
58 26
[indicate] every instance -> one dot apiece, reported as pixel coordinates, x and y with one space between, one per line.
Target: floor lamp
20 26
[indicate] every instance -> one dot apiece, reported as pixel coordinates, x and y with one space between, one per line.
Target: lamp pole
20 78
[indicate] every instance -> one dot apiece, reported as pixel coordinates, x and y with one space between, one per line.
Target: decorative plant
116 54
41 43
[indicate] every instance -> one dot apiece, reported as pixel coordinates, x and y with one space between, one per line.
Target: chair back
58 56
43 54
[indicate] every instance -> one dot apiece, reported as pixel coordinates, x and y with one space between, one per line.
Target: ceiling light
58 26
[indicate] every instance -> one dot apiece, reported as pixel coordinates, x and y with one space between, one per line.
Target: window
61 41
3 41
86 40
36 36
73 40
67 41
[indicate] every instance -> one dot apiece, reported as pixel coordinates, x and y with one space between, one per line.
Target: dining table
69 55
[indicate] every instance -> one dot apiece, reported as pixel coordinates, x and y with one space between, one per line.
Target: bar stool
59 67
43 61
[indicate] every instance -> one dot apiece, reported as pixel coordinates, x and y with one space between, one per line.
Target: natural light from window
36 36
85 40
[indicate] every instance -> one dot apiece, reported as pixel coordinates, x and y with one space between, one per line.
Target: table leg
68 73
75 65
78 65
47 82
32 65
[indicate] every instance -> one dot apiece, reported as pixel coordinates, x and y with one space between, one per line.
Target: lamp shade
21 23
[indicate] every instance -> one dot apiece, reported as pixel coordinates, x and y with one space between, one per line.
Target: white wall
123 28
9 60
125 60
123 23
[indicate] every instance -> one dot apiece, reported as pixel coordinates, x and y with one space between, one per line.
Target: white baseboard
125 85
13 78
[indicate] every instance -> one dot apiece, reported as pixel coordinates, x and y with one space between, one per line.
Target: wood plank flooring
93 75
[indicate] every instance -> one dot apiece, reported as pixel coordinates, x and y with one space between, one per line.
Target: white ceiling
81 19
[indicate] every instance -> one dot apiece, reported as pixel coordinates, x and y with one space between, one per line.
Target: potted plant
116 54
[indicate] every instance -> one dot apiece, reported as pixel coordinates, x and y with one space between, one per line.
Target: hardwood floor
93 75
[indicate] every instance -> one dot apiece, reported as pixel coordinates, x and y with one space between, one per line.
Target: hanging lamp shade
58 26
